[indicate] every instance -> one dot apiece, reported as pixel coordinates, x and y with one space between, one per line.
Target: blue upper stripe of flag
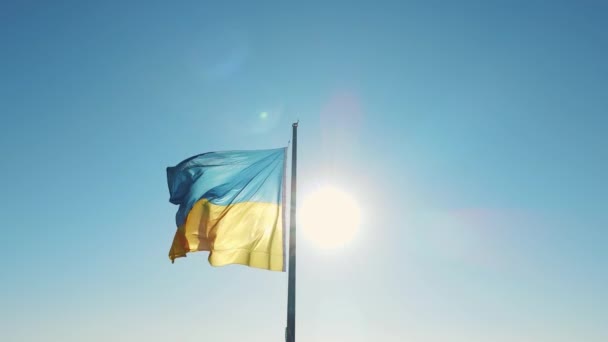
227 177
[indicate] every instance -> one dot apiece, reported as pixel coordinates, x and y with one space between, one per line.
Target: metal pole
290 333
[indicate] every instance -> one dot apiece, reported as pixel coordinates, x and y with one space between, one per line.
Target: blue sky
472 134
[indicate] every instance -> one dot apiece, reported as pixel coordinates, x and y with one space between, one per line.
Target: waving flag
231 204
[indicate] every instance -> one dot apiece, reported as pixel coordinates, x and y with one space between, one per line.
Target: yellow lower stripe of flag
246 233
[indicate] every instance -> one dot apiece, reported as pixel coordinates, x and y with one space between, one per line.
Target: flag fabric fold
231 204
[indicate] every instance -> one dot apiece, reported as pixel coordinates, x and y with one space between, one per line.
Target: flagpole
290 333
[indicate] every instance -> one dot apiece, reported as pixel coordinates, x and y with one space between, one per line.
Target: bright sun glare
330 217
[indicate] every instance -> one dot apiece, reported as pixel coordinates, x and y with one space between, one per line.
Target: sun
330 218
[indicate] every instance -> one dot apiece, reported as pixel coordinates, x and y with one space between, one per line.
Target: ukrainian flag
231 204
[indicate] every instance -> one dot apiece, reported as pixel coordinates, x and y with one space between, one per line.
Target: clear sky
473 136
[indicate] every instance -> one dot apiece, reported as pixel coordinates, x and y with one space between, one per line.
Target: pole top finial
295 124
